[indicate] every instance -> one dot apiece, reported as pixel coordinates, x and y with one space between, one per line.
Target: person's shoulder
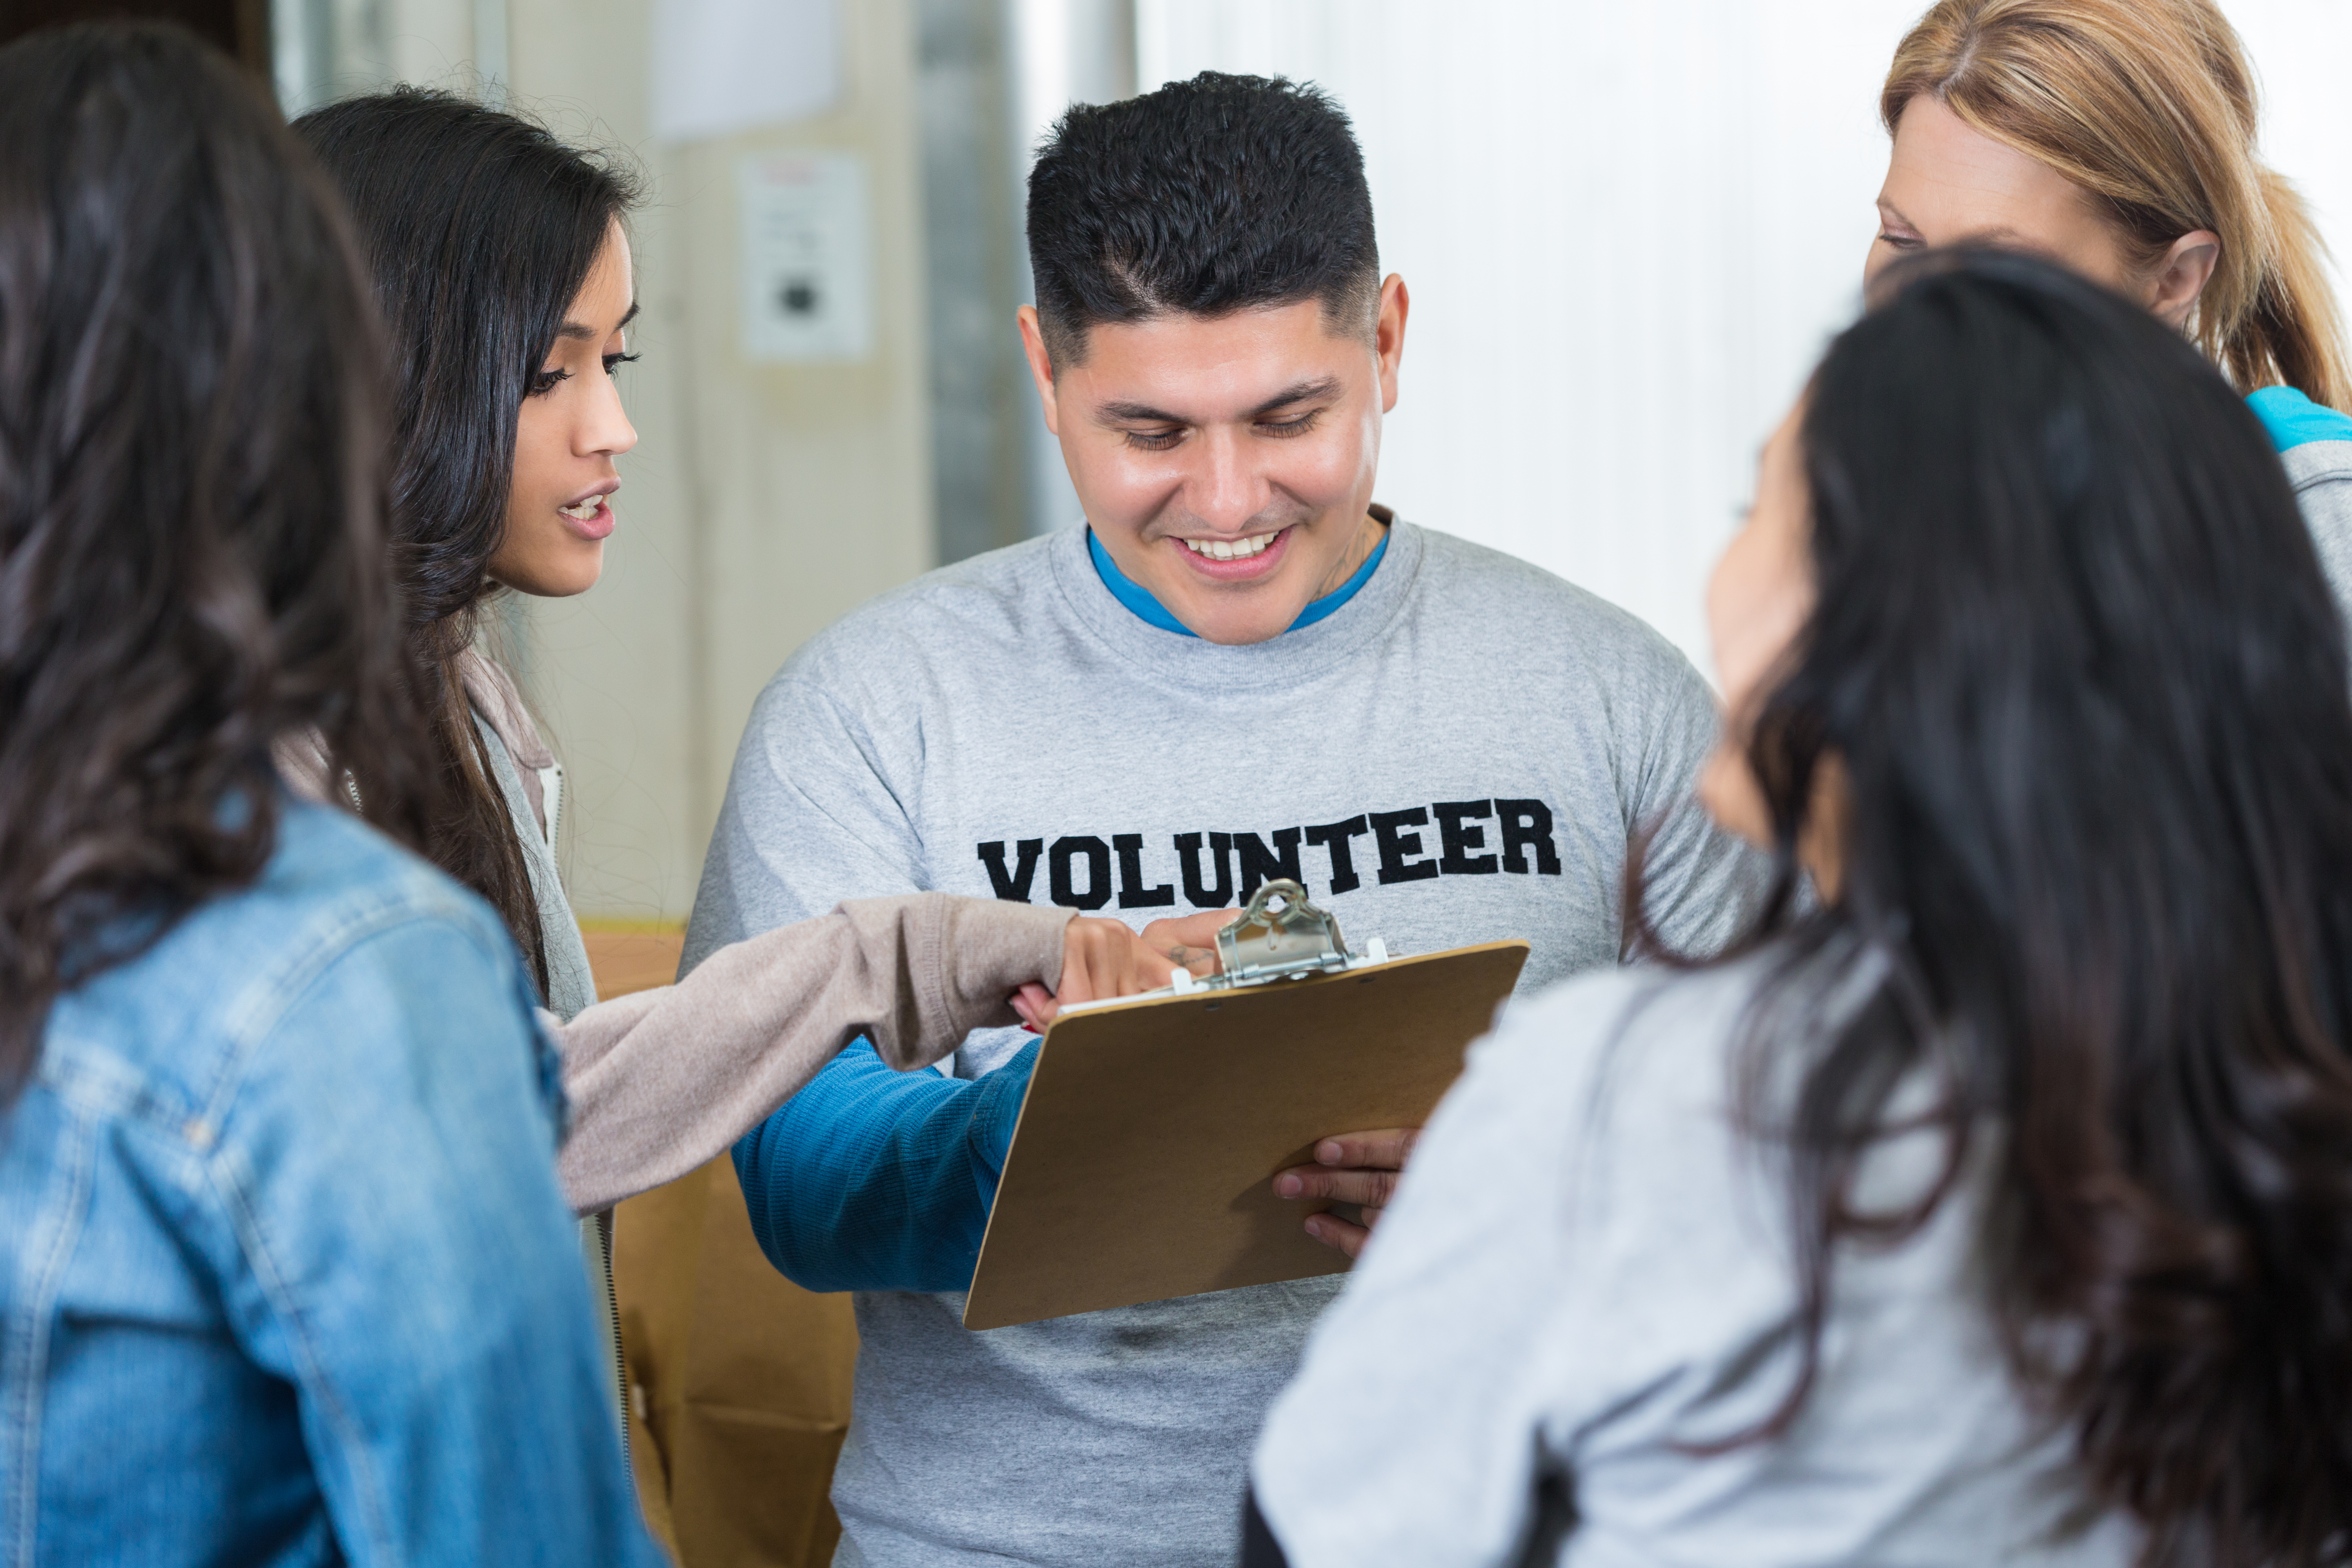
330 875
2322 467
329 881
184 1011
988 596
879 660
1581 1087
1480 586
2321 474
1632 1083
2314 446
2292 421
1671 1020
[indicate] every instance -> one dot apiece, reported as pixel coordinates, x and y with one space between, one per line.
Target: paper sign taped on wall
807 256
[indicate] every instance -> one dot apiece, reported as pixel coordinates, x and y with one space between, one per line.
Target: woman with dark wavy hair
502 265
503 272
286 1276
1997 1207
501 261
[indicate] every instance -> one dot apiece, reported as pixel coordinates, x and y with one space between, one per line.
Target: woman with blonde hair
2118 138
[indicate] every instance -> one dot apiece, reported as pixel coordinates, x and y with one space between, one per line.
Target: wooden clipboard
1141 1166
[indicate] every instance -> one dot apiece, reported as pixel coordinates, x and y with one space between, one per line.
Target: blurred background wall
1628 229
783 474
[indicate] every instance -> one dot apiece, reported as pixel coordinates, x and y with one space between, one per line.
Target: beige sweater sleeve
662 1080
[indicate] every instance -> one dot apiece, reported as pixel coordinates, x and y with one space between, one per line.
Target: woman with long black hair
286 1275
502 265
1997 1206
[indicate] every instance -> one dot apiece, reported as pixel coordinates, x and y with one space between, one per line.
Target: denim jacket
285 1274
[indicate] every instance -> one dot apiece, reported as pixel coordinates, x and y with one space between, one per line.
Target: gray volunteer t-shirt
1460 753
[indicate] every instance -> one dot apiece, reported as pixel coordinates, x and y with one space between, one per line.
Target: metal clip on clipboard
1280 936
1266 944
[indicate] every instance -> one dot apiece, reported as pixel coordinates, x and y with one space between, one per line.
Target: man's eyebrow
585 333
1304 392
1139 413
1144 414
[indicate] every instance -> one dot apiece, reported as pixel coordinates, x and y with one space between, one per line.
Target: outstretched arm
871 1180
662 1080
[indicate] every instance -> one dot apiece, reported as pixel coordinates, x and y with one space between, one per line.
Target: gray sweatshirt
2321 473
1588 1277
1460 752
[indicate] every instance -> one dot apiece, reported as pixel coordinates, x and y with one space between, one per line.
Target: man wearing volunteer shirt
1244 669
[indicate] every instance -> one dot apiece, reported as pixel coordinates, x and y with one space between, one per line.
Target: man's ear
2182 275
1388 336
1040 366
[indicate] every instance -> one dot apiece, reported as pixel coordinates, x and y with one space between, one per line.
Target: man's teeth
1230 549
585 509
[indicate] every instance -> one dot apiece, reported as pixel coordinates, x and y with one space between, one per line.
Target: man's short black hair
1217 194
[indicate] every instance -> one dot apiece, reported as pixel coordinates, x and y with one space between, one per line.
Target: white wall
326 49
763 500
1629 230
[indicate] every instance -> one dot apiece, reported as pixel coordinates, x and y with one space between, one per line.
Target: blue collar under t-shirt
2295 420
1139 598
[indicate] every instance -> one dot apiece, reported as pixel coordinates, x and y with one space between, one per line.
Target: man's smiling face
1227 462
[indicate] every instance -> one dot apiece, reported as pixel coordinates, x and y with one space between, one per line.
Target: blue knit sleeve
869 1179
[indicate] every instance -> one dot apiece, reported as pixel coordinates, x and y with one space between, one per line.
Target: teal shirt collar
2295 420
1137 598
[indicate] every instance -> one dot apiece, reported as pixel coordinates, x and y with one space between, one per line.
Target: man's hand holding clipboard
1167 1141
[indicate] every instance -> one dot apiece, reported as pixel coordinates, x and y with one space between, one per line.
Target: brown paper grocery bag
738 1380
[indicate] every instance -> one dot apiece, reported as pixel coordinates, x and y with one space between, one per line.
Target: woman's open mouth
589 517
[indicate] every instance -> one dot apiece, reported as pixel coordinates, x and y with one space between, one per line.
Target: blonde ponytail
2150 106
2295 330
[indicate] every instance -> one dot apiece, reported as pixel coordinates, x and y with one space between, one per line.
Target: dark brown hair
2076 662
191 504
1205 197
480 228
